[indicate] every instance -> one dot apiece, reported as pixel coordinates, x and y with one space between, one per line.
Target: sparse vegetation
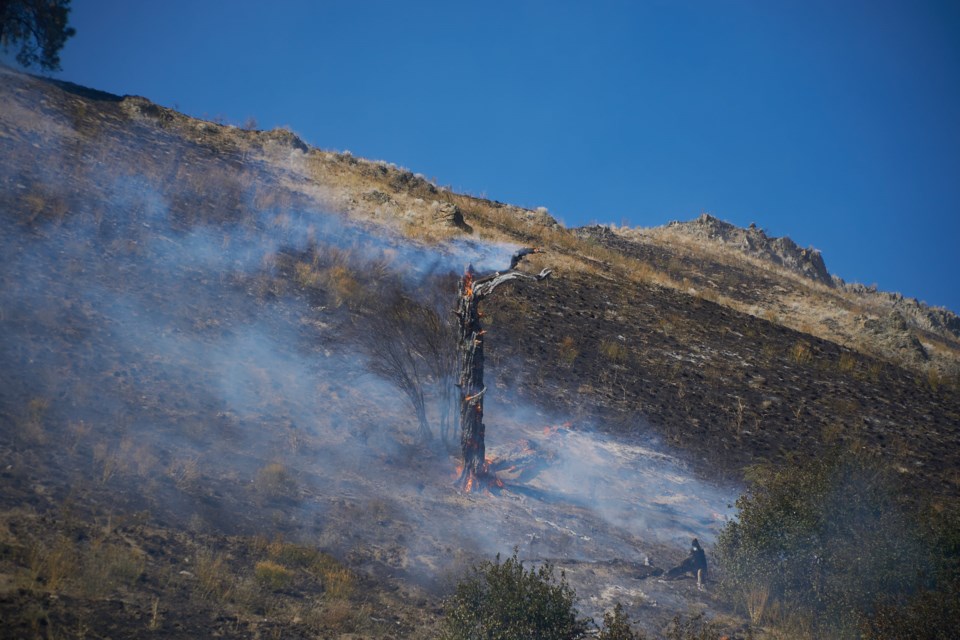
801 353
274 481
568 350
614 351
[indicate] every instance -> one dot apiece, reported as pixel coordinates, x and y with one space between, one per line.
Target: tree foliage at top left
39 27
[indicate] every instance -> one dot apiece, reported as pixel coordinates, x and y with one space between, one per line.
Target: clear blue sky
834 122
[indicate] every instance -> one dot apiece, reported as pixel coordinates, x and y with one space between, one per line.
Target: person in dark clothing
695 564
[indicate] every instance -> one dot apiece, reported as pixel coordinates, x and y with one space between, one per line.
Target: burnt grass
128 513
727 389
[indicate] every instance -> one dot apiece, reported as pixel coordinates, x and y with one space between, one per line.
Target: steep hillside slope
193 440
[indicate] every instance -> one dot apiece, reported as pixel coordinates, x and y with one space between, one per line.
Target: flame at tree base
482 480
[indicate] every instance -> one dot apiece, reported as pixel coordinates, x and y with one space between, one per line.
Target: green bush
503 601
616 626
832 540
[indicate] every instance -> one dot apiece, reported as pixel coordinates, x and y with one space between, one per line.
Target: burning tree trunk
470 291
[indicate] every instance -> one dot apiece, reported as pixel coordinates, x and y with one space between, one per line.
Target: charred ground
147 254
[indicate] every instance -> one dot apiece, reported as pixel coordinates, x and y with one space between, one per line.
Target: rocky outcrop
449 214
893 333
915 313
755 242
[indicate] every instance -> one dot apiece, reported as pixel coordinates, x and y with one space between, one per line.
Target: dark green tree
38 27
831 538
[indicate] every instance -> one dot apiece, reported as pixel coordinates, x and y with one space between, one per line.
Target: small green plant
503 600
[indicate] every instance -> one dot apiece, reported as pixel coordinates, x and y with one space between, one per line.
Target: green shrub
504 601
616 626
831 539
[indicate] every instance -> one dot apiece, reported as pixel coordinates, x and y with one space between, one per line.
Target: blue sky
836 123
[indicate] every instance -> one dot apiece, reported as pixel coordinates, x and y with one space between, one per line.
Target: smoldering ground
197 372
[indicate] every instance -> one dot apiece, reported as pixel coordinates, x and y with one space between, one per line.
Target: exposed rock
894 333
449 214
755 242
285 138
917 314
377 196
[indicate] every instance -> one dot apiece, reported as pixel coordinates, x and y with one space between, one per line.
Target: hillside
194 440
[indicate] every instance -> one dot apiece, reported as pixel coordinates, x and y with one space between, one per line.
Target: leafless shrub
411 345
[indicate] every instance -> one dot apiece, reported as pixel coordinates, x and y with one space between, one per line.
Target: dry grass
813 308
212 573
568 351
614 351
847 363
108 566
51 565
33 427
801 353
275 481
154 622
272 575
757 599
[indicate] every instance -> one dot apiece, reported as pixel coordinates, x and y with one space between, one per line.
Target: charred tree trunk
470 359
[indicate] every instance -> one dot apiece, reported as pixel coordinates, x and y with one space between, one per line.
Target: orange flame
468 285
549 431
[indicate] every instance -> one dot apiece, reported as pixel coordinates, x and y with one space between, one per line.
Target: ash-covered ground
209 377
